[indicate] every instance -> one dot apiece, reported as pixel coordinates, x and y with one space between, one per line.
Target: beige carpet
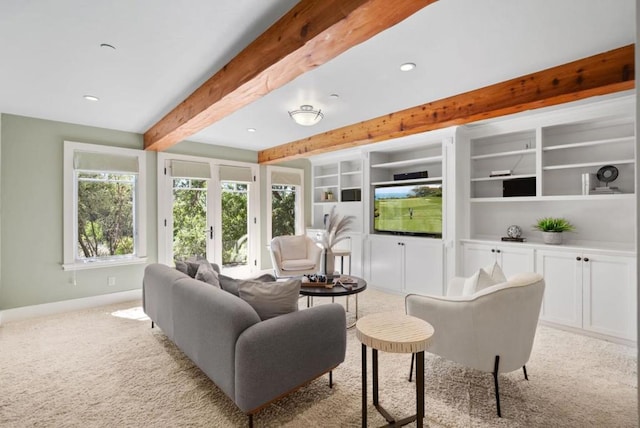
94 369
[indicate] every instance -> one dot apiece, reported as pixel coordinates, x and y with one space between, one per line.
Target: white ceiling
50 56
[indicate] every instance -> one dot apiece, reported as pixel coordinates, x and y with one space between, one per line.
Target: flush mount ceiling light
407 66
91 98
306 116
251 129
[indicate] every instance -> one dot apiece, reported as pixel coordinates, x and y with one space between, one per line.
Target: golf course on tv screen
408 209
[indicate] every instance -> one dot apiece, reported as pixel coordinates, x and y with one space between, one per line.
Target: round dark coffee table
336 291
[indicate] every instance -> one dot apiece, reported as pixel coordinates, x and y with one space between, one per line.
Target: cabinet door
385 263
562 301
515 260
423 267
609 287
476 256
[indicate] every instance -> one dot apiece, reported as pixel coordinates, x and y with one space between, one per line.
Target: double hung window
104 205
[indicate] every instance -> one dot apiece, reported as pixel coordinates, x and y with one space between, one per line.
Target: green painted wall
31 245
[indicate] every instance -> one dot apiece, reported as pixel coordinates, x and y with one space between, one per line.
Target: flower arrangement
335 229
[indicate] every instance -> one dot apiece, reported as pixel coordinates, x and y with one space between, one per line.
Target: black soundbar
411 175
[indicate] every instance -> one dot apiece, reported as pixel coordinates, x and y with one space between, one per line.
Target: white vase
328 263
553 238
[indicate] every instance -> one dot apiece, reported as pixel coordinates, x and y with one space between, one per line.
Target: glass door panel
235 228
191 229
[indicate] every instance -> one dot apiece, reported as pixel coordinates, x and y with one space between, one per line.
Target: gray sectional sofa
254 362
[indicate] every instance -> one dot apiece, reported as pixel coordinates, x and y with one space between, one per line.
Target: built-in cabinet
585 288
589 290
512 259
407 265
337 181
503 172
556 158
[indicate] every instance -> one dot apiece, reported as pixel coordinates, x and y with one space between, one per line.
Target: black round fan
607 173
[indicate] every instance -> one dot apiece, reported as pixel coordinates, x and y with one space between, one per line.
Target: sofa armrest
278 355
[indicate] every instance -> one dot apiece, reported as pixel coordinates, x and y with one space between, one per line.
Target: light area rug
106 367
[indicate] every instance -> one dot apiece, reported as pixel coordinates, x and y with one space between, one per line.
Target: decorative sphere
514 231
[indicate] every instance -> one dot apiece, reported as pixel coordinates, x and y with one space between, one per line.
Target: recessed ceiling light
407 66
107 45
334 96
91 98
251 129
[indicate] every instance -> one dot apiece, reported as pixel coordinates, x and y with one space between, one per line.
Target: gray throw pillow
207 274
228 284
182 266
265 277
270 299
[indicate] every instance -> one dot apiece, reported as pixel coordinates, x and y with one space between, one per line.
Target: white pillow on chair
495 272
477 282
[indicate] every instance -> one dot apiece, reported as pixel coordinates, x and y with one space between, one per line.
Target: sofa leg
250 421
413 356
495 382
330 378
152 324
524 369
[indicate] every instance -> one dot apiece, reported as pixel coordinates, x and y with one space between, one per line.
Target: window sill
96 264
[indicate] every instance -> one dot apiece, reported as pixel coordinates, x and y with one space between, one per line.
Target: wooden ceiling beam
601 74
309 35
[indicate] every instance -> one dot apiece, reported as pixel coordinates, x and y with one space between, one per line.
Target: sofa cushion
293 247
182 266
477 282
193 263
230 285
207 274
298 264
270 299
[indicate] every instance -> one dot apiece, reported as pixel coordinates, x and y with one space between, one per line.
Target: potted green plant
552 228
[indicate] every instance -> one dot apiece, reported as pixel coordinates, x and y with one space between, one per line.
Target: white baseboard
34 311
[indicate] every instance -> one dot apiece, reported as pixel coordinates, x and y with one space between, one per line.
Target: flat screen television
408 209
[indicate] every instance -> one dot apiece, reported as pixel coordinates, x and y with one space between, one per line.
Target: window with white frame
104 205
285 201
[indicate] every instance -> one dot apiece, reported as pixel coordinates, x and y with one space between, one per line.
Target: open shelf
415 181
589 143
588 164
504 154
408 162
502 177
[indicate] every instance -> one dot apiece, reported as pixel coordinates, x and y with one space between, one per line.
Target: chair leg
413 356
524 369
330 378
495 382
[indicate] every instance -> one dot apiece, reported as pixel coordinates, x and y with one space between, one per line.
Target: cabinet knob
586 259
578 258
497 251
493 250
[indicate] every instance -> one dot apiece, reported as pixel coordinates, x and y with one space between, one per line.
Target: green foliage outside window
105 214
283 215
189 218
234 223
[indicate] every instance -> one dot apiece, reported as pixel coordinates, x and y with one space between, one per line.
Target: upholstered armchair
491 330
294 255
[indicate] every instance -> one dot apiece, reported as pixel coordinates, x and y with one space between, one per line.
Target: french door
208 209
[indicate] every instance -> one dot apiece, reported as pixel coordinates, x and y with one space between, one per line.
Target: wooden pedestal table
393 332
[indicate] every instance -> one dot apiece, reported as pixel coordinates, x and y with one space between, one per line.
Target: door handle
210 230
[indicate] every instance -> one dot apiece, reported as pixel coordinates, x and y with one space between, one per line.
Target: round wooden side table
399 333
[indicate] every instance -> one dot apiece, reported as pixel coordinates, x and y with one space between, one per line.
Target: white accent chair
294 255
491 330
